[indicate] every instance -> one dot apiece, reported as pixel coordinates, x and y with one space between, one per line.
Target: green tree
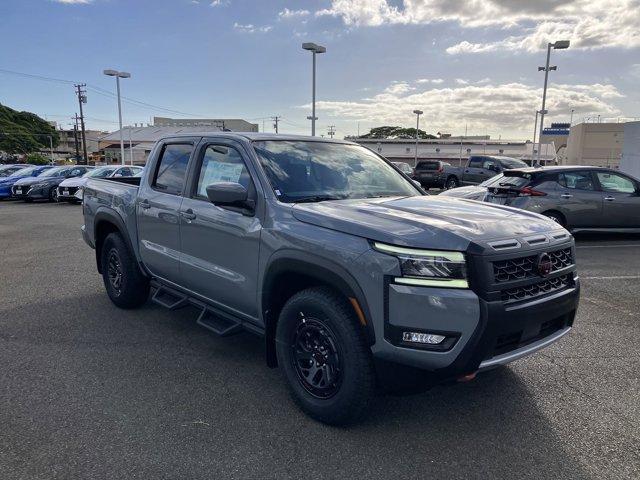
24 132
396 132
37 159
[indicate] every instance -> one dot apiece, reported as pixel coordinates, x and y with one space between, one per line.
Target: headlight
428 267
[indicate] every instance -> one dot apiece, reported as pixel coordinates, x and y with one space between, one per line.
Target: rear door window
172 168
427 166
580 180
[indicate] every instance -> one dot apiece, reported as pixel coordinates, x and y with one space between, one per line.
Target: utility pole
82 98
418 113
75 137
332 130
275 122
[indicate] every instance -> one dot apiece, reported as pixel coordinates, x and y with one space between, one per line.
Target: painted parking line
627 245
614 277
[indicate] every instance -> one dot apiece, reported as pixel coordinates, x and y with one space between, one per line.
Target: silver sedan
579 198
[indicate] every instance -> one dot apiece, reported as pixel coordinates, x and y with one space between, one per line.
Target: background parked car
578 198
7 182
71 189
431 173
45 186
404 168
6 170
478 169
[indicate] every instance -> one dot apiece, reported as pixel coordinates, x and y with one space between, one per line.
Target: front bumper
68 194
23 192
487 333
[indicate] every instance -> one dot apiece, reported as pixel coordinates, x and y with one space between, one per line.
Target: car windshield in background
513 163
24 172
99 172
307 171
53 172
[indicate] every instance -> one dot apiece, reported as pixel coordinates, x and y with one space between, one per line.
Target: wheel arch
557 212
106 222
292 272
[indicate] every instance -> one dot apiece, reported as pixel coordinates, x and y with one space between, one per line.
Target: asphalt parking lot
89 391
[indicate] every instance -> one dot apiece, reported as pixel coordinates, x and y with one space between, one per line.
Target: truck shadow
170 375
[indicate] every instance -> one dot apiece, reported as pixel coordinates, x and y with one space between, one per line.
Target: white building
630 160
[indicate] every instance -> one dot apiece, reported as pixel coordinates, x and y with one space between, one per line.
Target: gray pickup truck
354 277
479 168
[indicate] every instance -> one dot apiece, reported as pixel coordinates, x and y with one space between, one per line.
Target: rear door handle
188 215
566 195
144 204
609 199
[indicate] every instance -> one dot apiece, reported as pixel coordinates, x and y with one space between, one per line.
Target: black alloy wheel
451 183
53 194
316 357
114 272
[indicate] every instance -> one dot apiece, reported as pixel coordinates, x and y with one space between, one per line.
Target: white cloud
219 3
73 2
286 13
430 80
508 108
589 24
250 28
461 81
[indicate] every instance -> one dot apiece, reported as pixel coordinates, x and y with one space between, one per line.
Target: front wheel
126 286
53 195
556 217
324 357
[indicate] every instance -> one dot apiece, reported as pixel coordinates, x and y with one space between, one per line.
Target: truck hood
424 221
33 180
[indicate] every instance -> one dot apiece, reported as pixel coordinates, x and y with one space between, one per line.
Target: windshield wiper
319 198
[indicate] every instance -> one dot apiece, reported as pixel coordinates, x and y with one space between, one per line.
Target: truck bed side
112 202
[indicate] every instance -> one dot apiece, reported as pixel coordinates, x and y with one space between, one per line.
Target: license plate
65 192
19 191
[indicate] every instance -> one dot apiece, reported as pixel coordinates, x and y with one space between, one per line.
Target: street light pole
119 75
559 45
314 49
418 113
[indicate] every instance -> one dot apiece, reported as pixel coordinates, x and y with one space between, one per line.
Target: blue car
6 170
7 182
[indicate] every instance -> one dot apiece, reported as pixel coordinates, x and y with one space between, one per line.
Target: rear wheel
556 217
126 286
53 194
452 182
324 357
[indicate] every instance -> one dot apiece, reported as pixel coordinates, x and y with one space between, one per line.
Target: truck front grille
525 267
534 290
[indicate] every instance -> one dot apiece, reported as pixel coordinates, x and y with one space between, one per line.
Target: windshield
99 172
53 172
24 172
303 171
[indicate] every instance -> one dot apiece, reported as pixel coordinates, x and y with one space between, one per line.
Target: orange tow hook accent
467 378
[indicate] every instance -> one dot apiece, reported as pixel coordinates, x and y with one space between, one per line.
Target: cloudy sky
466 64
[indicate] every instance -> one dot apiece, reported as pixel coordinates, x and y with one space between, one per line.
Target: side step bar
218 321
169 298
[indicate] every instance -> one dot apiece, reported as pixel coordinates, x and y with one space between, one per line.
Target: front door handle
566 195
188 215
609 199
144 204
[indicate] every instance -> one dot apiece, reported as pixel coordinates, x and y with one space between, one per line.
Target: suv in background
576 197
431 173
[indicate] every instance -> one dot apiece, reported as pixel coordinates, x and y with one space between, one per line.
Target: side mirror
229 194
